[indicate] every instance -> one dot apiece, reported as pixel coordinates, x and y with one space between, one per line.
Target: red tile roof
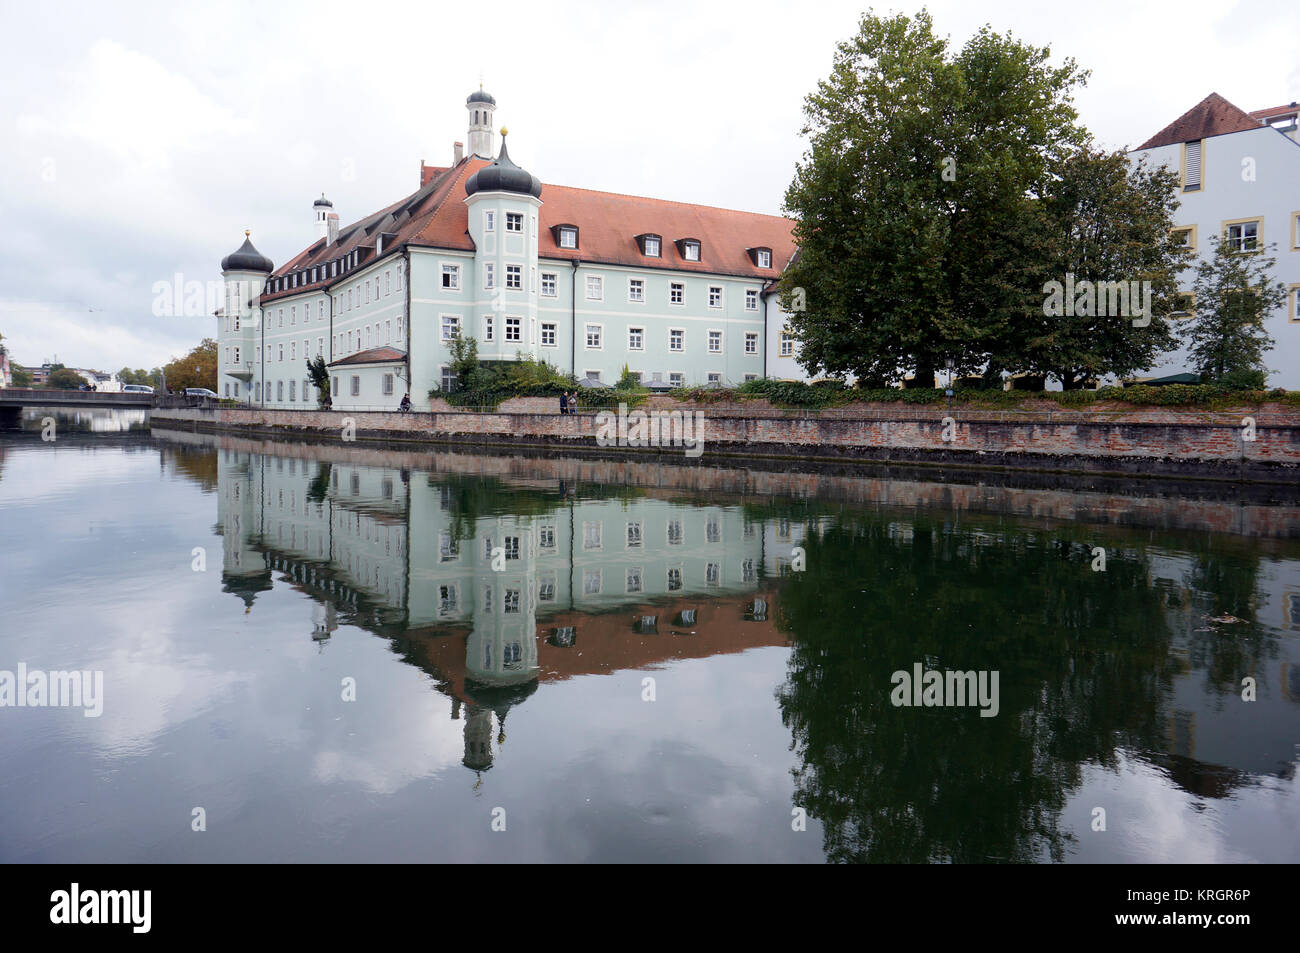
376 355
435 215
1276 112
1212 116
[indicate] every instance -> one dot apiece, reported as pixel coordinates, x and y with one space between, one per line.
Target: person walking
564 403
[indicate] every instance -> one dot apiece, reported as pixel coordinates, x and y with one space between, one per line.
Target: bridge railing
40 396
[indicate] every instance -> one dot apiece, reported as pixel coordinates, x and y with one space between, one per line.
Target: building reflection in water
491 586
494 585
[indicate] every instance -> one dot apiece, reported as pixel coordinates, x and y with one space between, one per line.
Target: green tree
320 378
915 202
1106 230
65 379
22 376
1233 294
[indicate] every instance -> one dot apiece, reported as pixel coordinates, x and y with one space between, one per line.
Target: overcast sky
142 139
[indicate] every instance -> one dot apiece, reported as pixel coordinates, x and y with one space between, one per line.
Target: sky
142 139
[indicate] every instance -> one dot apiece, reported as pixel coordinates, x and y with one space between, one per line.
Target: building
1239 177
587 281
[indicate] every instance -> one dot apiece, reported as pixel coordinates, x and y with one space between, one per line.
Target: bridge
14 399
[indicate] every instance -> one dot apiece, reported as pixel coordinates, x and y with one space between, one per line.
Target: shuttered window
1192 166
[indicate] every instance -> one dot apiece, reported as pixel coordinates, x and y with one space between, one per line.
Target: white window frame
721 297
489 276
764 258
639 297
658 245
554 280
785 344
442 327
689 247
722 338
518 326
677 286
517 217
488 329
640 333
751 338
489 221
600 287
452 269
554 329
680 380
751 295
600 336
517 273
568 232
676 350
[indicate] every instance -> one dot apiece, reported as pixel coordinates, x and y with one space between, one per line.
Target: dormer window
761 256
650 245
689 249
566 236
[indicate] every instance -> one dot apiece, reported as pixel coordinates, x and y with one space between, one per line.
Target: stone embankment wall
1157 441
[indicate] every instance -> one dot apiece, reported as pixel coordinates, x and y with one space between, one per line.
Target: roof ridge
1212 116
651 198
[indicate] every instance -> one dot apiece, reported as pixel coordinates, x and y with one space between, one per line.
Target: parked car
199 392
136 389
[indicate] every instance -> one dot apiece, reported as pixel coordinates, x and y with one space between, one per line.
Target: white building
588 281
1239 177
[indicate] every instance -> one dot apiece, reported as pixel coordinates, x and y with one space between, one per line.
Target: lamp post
248 385
948 391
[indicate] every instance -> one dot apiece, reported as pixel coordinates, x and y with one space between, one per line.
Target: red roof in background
376 355
608 223
1212 116
1275 112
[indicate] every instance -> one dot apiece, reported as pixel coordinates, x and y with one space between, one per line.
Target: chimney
459 152
333 234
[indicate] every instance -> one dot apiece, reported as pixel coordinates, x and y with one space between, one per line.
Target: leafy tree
198 368
320 378
22 376
65 379
915 203
1106 231
1233 295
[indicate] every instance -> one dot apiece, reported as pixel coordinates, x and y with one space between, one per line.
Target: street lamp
948 391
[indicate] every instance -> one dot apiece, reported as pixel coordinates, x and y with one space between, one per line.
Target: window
636 339
1243 234
388 283
635 289
514 222
634 535
293 390
293 350
1293 312
388 331
546 537
1295 236
712 574
257 392
787 344
691 251
236 356
320 310
548 284
593 376
447 379
634 579
751 377
387 389
511 545
514 329
514 277
568 237
593 335
281 317
226 390
674 580
487 327
764 258
675 379
715 342
548 334
489 221
356 386
1184 305
676 292
751 299
279 390
279 351
652 246
751 342
715 296
591 582
676 339
368 290
293 315
675 532
591 534
1185 236
1192 168
334 386
715 378
595 288
489 277
450 327
451 277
